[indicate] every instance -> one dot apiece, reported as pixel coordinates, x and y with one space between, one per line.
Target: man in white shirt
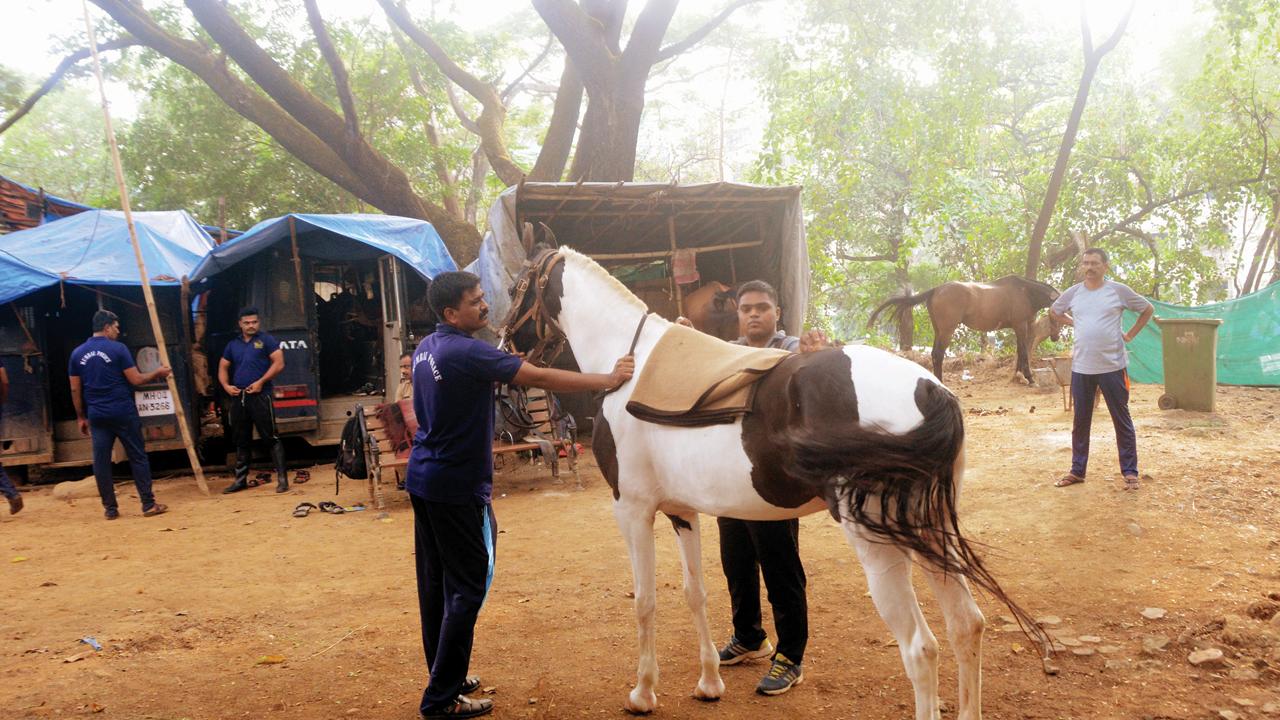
1099 361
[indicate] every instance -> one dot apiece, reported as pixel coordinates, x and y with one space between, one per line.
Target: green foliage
61 146
924 134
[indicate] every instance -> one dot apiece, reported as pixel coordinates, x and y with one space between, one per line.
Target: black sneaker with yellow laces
782 676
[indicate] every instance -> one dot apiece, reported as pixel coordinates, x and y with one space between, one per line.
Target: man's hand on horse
623 370
814 340
682 320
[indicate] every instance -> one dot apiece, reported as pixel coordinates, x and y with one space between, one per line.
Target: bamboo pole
178 410
297 268
222 219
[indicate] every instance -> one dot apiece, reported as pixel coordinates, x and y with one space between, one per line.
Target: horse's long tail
913 475
903 302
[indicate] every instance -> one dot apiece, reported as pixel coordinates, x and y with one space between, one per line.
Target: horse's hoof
641 703
709 692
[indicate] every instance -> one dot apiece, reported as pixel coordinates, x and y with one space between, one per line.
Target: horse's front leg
710 686
635 520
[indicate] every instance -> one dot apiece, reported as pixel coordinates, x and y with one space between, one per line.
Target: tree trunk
1092 58
1253 281
610 131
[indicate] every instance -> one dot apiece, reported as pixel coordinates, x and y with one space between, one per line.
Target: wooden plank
514 447
656 254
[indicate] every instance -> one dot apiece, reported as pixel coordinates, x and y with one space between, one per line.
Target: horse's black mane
1041 292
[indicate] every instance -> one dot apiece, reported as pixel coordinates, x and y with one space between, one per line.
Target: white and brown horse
858 432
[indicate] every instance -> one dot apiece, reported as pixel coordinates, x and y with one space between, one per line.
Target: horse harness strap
635 339
550 339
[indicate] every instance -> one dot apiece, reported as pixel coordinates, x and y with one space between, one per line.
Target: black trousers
454 553
250 410
749 548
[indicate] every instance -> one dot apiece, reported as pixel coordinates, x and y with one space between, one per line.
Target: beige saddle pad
692 378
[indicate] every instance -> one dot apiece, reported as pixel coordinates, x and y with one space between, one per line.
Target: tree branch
448 180
582 41
252 105
558 141
340 78
514 85
493 113
63 67
1116 34
866 258
646 36
468 122
698 35
354 166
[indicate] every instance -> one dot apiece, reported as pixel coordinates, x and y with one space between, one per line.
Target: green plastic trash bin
1190 351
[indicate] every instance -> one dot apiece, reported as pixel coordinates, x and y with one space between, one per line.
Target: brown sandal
1068 479
1131 482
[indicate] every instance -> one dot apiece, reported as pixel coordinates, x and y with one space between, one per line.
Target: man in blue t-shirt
1099 361
103 375
248 363
450 479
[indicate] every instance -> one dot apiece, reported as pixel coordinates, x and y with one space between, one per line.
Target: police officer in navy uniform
248 364
450 479
102 375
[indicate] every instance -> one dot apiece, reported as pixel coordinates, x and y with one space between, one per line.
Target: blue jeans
6 485
105 432
1115 390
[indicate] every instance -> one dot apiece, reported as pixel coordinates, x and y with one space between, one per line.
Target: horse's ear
526 239
548 237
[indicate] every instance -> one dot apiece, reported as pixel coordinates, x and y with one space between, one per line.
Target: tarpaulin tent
1248 339
93 248
324 236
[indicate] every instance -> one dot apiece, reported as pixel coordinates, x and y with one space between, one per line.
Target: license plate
153 402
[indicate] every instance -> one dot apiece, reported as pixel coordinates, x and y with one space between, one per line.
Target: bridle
551 339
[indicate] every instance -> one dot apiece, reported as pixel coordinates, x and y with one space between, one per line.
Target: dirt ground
190 607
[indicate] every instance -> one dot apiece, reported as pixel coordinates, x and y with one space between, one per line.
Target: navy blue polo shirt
100 364
453 377
250 360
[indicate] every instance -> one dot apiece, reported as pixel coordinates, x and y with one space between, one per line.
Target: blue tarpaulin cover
93 248
328 237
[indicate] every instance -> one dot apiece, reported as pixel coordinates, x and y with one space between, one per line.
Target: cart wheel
1167 402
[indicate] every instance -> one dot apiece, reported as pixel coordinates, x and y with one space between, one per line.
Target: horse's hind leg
710 686
941 339
964 627
636 524
888 569
1022 334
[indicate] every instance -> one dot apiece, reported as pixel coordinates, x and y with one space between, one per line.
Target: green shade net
1248 339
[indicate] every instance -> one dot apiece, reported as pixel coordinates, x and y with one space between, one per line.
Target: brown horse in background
1010 302
713 309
